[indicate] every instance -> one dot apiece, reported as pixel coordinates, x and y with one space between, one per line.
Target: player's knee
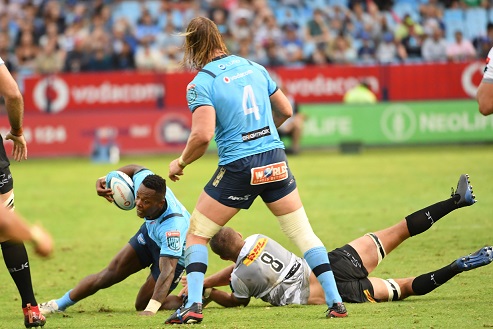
202 226
393 289
298 229
381 253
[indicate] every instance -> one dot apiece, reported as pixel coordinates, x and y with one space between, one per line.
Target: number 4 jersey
266 270
239 90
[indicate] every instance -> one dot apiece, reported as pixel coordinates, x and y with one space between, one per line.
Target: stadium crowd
51 36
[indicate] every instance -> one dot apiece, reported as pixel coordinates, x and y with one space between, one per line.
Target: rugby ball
123 189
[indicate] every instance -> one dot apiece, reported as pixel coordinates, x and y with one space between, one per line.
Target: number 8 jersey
264 269
239 91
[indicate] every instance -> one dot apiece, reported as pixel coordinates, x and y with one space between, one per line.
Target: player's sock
428 282
423 219
17 262
318 261
65 301
196 259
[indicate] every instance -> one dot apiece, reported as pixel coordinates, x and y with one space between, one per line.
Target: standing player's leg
294 223
206 220
17 262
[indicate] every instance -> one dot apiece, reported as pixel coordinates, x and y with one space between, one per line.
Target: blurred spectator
6 53
413 43
169 40
341 51
360 94
242 26
146 29
76 59
483 44
273 54
148 58
460 49
435 47
99 59
316 30
267 31
26 52
50 59
407 27
220 17
292 45
318 57
366 52
390 50
124 58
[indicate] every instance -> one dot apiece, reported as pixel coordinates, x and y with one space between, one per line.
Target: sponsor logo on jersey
237 76
219 176
255 252
224 66
239 198
267 174
191 94
140 239
256 134
173 240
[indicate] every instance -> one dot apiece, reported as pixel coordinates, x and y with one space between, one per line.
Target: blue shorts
237 184
149 252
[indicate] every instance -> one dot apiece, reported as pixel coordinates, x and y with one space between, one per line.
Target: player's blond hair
202 41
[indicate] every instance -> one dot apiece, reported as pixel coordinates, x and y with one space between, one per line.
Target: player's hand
184 281
42 241
146 313
102 191
175 170
19 151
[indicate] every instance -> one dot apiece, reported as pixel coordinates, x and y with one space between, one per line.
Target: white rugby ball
123 189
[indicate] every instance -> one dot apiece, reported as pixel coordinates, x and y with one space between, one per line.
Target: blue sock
318 260
196 257
65 301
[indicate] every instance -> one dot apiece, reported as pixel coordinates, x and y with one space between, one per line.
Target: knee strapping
393 289
298 229
380 249
202 226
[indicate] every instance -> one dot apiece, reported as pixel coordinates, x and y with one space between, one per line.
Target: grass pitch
345 196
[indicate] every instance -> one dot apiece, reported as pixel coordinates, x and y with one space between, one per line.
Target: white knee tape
298 229
202 226
394 290
380 249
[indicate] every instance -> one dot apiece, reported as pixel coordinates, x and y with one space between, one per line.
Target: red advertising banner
151 91
94 91
78 134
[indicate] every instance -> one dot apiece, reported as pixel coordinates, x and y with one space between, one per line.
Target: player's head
150 198
227 243
202 41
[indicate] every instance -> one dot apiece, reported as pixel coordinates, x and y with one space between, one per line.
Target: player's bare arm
281 107
203 126
167 266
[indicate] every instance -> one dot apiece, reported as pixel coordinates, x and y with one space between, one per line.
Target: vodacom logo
51 94
467 79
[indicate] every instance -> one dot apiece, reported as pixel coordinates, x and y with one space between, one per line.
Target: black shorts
6 180
237 184
149 253
4 160
351 276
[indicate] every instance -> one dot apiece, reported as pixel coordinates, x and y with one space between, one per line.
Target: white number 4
249 97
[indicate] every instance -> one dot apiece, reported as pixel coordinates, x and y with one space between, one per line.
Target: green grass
345 196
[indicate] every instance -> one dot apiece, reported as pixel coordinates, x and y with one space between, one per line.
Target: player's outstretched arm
227 299
14 227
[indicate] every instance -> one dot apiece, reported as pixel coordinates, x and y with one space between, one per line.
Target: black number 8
275 264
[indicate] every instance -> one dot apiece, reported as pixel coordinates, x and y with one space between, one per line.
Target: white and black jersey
264 269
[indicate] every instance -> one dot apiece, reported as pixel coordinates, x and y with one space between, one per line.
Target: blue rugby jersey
169 231
239 91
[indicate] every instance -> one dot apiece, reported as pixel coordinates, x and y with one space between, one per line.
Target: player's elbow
485 107
12 94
